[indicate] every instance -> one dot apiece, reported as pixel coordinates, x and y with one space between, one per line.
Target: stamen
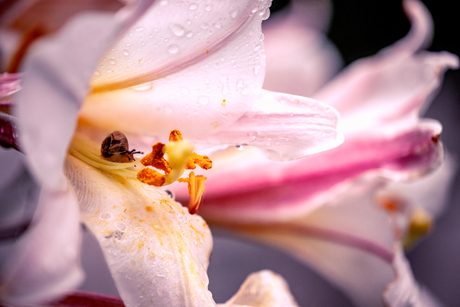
195 189
180 156
421 223
203 161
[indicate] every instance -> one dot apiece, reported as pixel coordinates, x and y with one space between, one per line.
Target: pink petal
300 59
393 85
284 126
45 261
211 81
51 97
251 188
263 289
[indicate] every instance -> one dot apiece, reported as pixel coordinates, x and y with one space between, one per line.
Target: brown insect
115 148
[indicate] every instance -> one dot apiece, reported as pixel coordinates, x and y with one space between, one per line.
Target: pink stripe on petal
273 191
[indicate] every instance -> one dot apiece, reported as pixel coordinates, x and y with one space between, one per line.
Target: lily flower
152 67
324 209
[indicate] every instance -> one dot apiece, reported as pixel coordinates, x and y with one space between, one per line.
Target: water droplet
206 81
217 25
204 26
139 29
240 83
203 100
185 91
255 9
121 226
189 34
126 52
193 7
177 29
143 87
105 216
173 49
208 8
97 73
245 91
168 110
164 2
256 70
240 147
112 61
234 13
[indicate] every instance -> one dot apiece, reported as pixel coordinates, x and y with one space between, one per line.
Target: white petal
157 252
263 289
175 35
344 241
56 81
404 291
207 85
286 127
45 261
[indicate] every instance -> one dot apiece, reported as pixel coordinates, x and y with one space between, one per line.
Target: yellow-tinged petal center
163 166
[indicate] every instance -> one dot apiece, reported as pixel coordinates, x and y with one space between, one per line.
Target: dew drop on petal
203 100
193 7
189 34
121 226
208 8
185 91
173 49
112 61
125 52
105 216
168 110
177 29
164 2
234 13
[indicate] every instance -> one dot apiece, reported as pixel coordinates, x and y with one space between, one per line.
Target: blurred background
359 28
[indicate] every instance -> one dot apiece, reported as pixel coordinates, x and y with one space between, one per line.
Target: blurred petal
404 291
263 289
50 100
248 187
429 192
300 59
18 192
286 127
199 84
45 260
156 251
393 85
344 240
82 299
8 131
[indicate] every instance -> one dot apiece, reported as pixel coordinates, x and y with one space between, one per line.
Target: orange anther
203 161
175 136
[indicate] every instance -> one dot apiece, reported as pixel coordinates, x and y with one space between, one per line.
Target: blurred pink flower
331 210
